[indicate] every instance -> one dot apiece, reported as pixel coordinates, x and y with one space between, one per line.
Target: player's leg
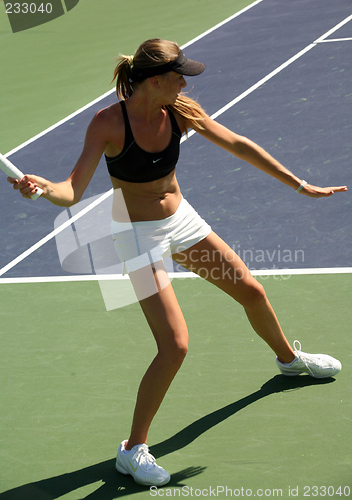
168 326
164 316
215 261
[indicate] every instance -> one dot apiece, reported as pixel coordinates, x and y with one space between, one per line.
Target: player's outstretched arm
250 152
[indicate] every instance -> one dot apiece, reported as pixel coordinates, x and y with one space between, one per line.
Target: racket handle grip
36 195
12 171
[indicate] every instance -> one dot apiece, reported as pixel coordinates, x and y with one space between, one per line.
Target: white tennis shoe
141 465
316 365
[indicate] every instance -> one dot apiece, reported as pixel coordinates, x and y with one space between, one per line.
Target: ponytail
122 75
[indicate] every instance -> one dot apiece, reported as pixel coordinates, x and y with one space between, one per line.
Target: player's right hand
28 185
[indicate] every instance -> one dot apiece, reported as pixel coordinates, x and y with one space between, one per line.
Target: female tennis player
140 136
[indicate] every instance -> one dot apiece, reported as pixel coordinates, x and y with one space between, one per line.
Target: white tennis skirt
139 244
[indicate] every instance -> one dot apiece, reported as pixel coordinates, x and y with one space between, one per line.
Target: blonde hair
153 53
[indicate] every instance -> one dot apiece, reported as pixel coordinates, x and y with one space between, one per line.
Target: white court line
56 231
215 115
335 40
53 127
335 28
117 277
259 84
220 24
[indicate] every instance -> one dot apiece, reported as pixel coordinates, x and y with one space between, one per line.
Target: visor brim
190 68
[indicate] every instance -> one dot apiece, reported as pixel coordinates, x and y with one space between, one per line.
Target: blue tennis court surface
300 115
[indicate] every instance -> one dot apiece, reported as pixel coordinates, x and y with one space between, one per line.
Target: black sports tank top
134 164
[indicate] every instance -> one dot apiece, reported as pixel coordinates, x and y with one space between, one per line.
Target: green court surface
70 371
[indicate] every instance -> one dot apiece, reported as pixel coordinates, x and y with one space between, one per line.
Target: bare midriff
145 201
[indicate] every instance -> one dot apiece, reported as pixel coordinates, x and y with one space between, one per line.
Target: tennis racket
12 171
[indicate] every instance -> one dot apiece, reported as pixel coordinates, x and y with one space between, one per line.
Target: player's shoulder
109 117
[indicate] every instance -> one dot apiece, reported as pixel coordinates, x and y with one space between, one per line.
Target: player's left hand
319 192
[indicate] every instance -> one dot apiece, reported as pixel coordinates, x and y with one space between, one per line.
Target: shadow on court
117 485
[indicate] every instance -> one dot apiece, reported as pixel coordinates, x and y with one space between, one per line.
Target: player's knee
181 348
254 296
176 350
